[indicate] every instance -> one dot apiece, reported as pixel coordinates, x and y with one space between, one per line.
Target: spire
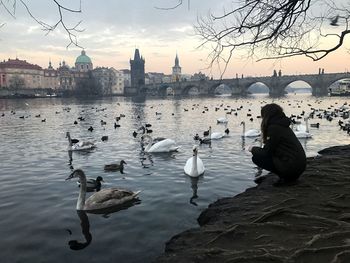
137 54
176 61
50 65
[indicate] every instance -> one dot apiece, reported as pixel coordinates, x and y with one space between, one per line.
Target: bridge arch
258 87
298 86
162 89
191 89
218 87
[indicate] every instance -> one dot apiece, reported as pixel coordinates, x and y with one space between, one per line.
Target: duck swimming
115 167
93 184
106 198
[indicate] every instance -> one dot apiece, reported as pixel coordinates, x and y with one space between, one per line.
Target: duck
315 125
194 166
103 199
93 184
206 133
104 138
196 137
115 167
206 140
79 145
165 145
251 132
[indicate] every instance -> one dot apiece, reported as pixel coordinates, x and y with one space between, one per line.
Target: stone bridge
319 83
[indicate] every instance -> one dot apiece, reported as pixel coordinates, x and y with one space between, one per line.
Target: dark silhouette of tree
268 29
88 87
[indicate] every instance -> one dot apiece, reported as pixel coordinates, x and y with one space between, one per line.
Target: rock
305 222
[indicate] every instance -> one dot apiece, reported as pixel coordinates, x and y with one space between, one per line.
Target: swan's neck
194 170
82 193
149 145
69 139
307 125
243 124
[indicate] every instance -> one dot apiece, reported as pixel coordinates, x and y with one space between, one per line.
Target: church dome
83 58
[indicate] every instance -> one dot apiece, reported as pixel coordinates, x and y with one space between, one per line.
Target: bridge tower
275 85
176 76
137 71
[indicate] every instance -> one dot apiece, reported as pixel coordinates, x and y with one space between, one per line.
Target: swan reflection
85 229
243 143
146 160
194 186
85 224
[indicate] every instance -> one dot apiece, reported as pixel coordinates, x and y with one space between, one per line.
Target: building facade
18 74
51 78
127 77
117 82
66 77
110 80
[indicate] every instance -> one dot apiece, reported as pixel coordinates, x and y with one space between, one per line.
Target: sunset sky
112 30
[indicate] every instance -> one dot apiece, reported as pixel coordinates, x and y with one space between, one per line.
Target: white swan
222 119
304 134
80 145
217 135
251 132
194 166
166 145
105 198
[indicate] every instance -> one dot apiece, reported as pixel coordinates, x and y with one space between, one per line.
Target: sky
114 28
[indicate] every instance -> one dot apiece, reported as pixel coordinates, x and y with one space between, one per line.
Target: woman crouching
282 153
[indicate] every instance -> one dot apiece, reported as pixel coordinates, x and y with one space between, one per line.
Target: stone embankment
306 222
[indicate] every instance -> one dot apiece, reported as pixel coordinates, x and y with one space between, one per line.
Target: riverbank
306 222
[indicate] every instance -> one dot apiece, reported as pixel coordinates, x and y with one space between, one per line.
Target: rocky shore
306 222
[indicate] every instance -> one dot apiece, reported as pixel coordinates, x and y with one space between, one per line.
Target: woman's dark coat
287 153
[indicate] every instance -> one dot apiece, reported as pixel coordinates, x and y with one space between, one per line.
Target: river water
38 217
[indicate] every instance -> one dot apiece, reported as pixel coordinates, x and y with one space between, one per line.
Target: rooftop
20 64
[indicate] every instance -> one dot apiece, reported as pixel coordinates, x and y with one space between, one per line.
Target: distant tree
88 87
16 82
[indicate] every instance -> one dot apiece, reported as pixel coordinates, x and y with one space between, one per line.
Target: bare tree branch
268 29
174 6
62 10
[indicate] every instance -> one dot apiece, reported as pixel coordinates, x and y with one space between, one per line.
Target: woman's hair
268 112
